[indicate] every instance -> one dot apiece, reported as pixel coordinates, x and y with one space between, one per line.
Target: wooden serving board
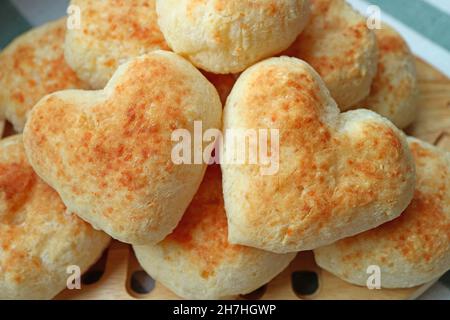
121 267
119 274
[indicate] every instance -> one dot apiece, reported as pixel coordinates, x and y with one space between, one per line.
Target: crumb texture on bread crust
339 174
108 153
394 91
197 262
39 238
33 66
111 33
411 250
339 46
227 36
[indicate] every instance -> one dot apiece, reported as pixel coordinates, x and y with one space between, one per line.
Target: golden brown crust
111 33
33 66
339 174
340 47
39 238
412 249
394 90
108 152
197 261
203 230
227 36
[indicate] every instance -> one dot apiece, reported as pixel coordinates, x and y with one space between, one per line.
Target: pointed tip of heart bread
197 262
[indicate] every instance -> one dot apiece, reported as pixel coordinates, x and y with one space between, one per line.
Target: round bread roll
331 175
197 262
340 47
111 154
33 66
394 90
227 36
112 32
39 238
411 250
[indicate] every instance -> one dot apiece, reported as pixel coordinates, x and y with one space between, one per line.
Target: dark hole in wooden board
141 282
255 295
91 277
95 273
305 283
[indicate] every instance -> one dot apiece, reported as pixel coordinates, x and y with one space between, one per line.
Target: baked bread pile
95 108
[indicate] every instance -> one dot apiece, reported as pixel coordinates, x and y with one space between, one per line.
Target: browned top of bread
339 174
33 66
412 249
394 90
339 46
39 238
203 231
112 32
108 153
228 36
197 261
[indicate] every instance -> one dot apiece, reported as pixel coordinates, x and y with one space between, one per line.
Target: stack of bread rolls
94 108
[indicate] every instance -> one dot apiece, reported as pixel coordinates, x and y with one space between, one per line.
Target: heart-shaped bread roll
338 174
33 66
411 250
111 32
339 46
394 90
227 36
108 153
197 262
39 238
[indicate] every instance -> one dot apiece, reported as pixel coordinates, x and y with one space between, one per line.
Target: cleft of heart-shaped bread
339 173
108 152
